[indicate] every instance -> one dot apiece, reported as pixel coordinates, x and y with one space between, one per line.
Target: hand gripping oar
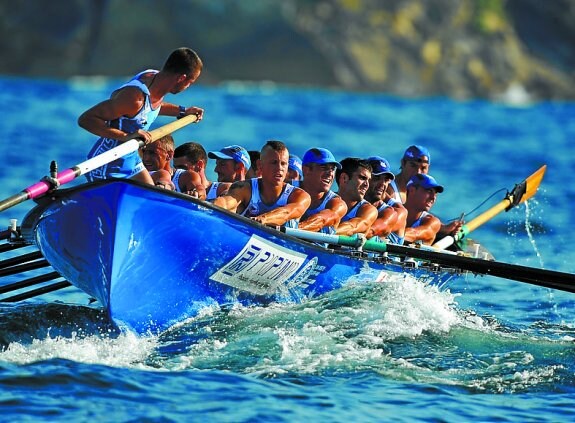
521 193
540 277
65 176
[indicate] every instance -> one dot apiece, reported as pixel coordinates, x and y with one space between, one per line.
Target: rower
232 163
192 156
391 218
268 199
295 172
417 160
353 180
421 226
157 160
254 170
326 208
131 110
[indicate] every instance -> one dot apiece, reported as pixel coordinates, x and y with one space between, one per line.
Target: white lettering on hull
261 267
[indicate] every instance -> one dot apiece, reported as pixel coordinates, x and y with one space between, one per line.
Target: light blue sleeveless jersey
130 164
256 206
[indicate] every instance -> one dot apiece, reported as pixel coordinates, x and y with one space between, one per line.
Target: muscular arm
330 216
125 102
298 203
425 232
359 224
191 184
238 194
401 221
384 223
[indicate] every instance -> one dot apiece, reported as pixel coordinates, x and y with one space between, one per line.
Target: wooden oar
65 176
541 277
521 193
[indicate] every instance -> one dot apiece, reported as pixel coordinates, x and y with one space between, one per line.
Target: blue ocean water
480 349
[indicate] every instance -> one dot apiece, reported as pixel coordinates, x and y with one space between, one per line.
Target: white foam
345 328
126 350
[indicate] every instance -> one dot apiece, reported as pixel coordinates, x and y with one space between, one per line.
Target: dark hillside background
517 49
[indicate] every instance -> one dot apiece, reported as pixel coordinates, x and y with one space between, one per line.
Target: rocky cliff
458 48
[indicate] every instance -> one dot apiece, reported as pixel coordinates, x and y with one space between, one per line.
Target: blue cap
232 152
416 152
424 181
380 166
320 156
295 164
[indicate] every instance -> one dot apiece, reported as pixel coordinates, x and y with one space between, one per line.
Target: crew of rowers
276 189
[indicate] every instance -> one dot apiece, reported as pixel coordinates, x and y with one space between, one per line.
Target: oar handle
449 240
172 127
121 150
355 241
445 242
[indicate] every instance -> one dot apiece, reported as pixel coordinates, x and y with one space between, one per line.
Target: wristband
182 112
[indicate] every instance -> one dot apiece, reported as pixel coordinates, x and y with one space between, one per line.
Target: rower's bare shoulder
239 186
300 196
223 188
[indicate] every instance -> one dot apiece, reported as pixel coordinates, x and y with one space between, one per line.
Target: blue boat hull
153 258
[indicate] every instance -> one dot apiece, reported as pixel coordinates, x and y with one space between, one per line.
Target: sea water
480 348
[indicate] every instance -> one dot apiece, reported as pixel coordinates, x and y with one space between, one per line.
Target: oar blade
20 267
36 292
533 183
520 193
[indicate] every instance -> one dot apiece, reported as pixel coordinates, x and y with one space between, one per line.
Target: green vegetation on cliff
458 48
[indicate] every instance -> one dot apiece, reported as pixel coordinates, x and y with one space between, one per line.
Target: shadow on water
25 323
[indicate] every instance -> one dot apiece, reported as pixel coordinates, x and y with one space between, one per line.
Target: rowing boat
153 257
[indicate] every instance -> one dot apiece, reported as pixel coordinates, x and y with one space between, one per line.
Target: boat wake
30 322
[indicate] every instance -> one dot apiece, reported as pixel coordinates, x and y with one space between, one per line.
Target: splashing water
528 229
346 329
126 350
